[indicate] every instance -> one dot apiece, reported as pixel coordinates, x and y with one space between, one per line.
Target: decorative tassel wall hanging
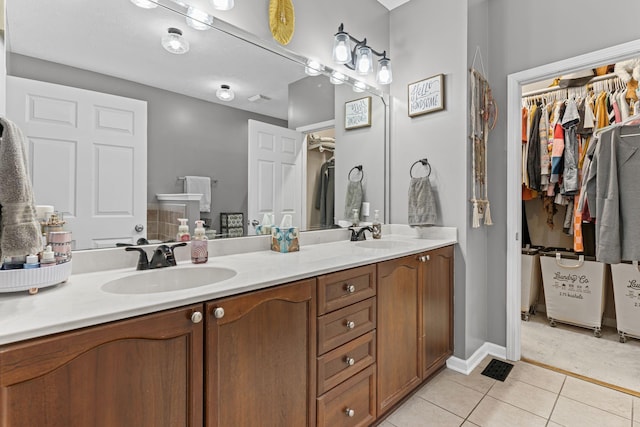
484 115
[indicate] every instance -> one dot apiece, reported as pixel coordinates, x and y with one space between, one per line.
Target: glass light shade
174 42
341 49
198 19
225 93
222 4
359 86
364 60
337 78
384 76
313 67
145 4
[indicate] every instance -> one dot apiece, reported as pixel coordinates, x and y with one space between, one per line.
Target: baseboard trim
467 366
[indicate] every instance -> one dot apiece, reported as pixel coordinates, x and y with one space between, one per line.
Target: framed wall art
357 113
426 96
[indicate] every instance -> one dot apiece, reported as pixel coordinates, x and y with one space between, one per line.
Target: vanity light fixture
337 78
174 42
198 20
359 86
225 93
145 4
222 4
313 67
360 57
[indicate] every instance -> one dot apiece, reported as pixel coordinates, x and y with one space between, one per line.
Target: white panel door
87 157
275 172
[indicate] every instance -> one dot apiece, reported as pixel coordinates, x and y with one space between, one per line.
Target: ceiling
119 39
392 4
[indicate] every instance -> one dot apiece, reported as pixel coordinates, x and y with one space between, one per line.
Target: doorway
515 82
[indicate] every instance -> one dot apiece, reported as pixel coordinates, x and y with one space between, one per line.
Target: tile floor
530 396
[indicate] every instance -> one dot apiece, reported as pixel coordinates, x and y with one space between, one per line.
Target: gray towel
422 203
19 229
353 199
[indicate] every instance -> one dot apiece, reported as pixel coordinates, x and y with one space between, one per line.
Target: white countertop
81 302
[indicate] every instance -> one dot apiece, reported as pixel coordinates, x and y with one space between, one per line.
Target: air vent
259 98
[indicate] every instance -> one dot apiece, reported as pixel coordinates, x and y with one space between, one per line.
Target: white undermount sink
382 244
167 279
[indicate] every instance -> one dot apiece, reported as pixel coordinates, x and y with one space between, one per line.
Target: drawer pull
350 288
350 361
351 324
349 412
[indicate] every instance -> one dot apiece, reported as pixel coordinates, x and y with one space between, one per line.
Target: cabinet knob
350 361
349 412
218 313
351 324
350 288
196 317
424 258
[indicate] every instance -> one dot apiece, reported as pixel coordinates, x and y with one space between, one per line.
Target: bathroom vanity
334 335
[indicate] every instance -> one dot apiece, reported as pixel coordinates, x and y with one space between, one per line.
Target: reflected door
87 156
275 172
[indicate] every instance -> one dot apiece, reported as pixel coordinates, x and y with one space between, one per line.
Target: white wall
519 42
429 37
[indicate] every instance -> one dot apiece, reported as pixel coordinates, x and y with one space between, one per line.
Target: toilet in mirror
126 133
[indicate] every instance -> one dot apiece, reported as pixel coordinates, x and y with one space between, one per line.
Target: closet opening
568 344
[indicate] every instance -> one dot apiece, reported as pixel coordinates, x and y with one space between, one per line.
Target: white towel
202 185
19 229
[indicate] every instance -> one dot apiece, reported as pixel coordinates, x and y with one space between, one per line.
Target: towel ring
359 168
425 163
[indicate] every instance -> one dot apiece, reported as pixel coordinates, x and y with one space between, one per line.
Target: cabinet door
145 371
260 358
437 310
398 330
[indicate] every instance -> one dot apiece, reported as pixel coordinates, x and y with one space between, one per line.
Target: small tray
34 278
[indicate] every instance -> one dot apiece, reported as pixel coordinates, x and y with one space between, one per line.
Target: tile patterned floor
530 396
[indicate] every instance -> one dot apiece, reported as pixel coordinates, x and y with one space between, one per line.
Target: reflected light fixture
145 4
313 67
360 57
225 93
359 86
174 42
198 20
222 4
337 78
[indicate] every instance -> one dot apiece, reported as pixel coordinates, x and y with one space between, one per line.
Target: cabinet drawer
340 326
337 290
350 404
337 365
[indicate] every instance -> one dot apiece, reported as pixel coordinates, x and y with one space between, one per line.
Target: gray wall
518 42
311 101
429 37
186 136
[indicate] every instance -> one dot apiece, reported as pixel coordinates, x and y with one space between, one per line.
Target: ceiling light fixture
198 19
313 67
222 4
145 4
337 78
360 57
225 93
174 42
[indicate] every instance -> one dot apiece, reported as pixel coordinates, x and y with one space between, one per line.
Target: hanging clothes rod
557 88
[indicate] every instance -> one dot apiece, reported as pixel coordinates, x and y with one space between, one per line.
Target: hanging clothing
325 193
533 149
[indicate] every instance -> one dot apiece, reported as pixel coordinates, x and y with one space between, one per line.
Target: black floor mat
497 369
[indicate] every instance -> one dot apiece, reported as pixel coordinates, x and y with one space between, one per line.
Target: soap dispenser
183 231
377 226
199 244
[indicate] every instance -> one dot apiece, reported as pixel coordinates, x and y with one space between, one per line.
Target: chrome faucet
163 256
358 235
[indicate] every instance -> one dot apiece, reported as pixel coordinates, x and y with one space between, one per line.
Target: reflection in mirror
113 120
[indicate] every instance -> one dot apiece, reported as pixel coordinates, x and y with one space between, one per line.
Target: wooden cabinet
437 310
398 330
415 322
260 358
145 371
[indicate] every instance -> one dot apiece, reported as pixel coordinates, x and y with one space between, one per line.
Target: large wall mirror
112 120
